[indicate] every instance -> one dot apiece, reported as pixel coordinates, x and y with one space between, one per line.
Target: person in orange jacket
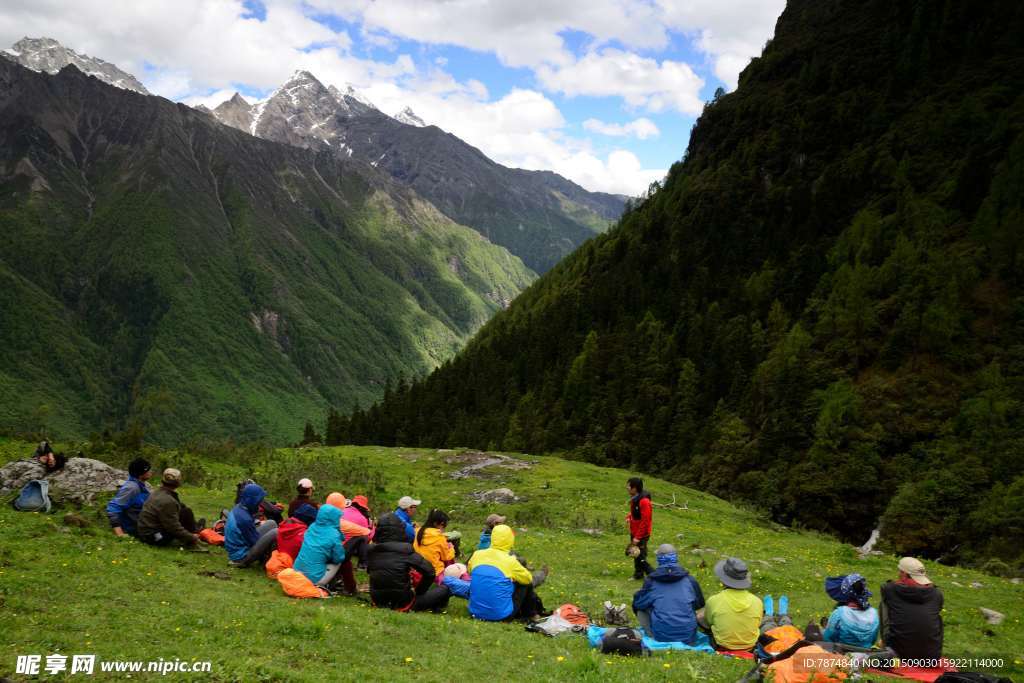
432 544
640 524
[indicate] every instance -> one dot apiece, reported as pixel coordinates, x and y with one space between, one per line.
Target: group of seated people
410 567
671 608
415 568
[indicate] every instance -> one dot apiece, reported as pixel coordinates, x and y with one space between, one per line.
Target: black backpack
623 641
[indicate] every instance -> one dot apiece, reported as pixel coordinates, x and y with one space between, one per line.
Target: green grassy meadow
73 590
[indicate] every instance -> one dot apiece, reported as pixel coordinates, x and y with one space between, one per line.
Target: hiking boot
200 524
540 576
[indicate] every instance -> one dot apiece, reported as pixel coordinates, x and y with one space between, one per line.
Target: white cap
406 502
305 483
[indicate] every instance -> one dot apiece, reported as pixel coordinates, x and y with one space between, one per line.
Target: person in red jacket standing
640 523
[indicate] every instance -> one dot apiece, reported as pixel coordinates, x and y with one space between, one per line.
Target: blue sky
604 92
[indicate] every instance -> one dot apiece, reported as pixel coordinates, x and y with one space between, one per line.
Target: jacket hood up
328 516
503 538
252 496
669 573
390 529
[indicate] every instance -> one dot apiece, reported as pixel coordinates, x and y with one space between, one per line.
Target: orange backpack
809 664
296 585
782 638
278 561
573 614
211 537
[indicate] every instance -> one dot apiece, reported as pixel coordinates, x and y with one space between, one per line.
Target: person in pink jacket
357 514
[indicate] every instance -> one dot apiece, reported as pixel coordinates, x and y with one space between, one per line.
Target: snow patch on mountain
49 56
409 117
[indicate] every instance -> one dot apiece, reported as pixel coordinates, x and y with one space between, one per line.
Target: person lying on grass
501 588
124 508
400 578
667 605
164 520
244 542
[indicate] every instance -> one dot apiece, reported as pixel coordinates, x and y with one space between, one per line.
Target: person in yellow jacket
500 587
432 544
733 616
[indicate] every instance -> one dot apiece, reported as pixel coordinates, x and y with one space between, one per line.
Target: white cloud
731 32
641 128
523 129
211 99
520 33
207 43
640 81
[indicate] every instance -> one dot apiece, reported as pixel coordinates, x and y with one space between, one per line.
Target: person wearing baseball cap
303 497
124 508
732 616
911 613
406 510
492 521
164 519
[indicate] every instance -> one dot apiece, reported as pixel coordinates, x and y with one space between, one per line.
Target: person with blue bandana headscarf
666 606
854 621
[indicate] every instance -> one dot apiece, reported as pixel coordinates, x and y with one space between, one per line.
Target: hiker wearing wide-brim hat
732 616
733 573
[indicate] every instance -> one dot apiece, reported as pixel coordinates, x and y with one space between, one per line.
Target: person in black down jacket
391 558
911 613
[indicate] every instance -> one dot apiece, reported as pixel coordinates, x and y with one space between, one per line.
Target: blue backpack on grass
34 497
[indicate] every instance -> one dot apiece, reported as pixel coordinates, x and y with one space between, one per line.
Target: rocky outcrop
79 481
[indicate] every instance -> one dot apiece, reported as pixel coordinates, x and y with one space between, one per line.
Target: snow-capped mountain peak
409 117
48 55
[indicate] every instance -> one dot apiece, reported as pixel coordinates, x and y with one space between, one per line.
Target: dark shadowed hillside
820 313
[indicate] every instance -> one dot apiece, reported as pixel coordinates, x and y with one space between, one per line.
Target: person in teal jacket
322 550
854 621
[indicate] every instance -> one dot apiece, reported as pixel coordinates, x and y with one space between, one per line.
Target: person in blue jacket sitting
244 542
853 621
666 606
407 506
124 508
322 551
493 520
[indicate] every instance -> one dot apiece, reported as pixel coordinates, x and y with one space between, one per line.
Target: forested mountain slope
158 269
820 313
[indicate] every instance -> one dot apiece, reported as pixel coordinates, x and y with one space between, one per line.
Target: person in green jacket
164 520
732 616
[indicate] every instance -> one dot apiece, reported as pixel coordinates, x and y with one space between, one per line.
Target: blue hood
328 516
668 573
252 496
